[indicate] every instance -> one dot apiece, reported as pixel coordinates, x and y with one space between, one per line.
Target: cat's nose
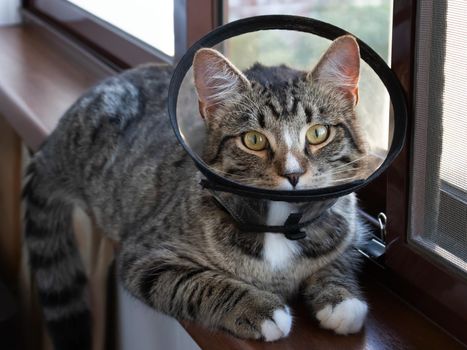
293 178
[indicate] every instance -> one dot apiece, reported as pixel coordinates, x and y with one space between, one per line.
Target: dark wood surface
391 325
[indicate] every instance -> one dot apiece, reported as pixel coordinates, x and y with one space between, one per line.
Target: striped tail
55 263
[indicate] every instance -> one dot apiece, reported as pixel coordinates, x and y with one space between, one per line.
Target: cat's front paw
345 317
259 316
278 326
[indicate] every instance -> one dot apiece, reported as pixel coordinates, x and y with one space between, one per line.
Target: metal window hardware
375 247
382 220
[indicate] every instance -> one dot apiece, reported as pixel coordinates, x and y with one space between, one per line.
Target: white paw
344 318
279 326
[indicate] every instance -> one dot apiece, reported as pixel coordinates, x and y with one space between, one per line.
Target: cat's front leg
335 298
188 291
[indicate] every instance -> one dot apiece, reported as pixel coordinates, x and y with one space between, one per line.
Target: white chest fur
278 251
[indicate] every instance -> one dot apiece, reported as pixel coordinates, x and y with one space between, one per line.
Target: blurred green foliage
370 22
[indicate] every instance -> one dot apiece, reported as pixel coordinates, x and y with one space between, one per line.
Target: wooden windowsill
391 325
41 77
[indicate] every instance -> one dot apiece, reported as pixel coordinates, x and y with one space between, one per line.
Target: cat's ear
340 66
216 80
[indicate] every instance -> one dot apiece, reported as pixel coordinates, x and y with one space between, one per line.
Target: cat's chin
285 185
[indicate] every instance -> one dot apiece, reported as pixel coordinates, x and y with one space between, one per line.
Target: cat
114 155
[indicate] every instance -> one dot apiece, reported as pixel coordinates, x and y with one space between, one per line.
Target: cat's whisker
245 180
344 179
236 176
340 172
328 174
340 168
347 164
332 179
332 182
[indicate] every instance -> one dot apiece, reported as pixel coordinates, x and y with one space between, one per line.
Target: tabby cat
115 156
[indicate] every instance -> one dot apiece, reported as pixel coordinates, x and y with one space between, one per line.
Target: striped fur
55 261
114 155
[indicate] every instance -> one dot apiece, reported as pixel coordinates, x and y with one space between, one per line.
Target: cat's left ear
340 66
217 80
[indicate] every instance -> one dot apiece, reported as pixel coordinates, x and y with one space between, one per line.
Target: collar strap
292 228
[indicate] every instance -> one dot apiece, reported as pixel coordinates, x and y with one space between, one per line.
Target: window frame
117 48
427 284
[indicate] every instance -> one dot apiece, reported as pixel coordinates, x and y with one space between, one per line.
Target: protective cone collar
215 182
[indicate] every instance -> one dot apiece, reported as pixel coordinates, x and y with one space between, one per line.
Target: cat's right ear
340 66
216 80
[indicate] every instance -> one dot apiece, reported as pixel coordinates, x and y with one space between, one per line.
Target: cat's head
280 128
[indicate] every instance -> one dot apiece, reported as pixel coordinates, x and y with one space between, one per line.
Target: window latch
375 247
382 220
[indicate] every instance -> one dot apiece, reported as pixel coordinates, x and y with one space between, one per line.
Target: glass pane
439 173
370 20
149 21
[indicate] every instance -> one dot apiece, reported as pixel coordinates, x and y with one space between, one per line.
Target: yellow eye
317 134
254 140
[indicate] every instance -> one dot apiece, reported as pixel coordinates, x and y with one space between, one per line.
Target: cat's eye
317 134
254 140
